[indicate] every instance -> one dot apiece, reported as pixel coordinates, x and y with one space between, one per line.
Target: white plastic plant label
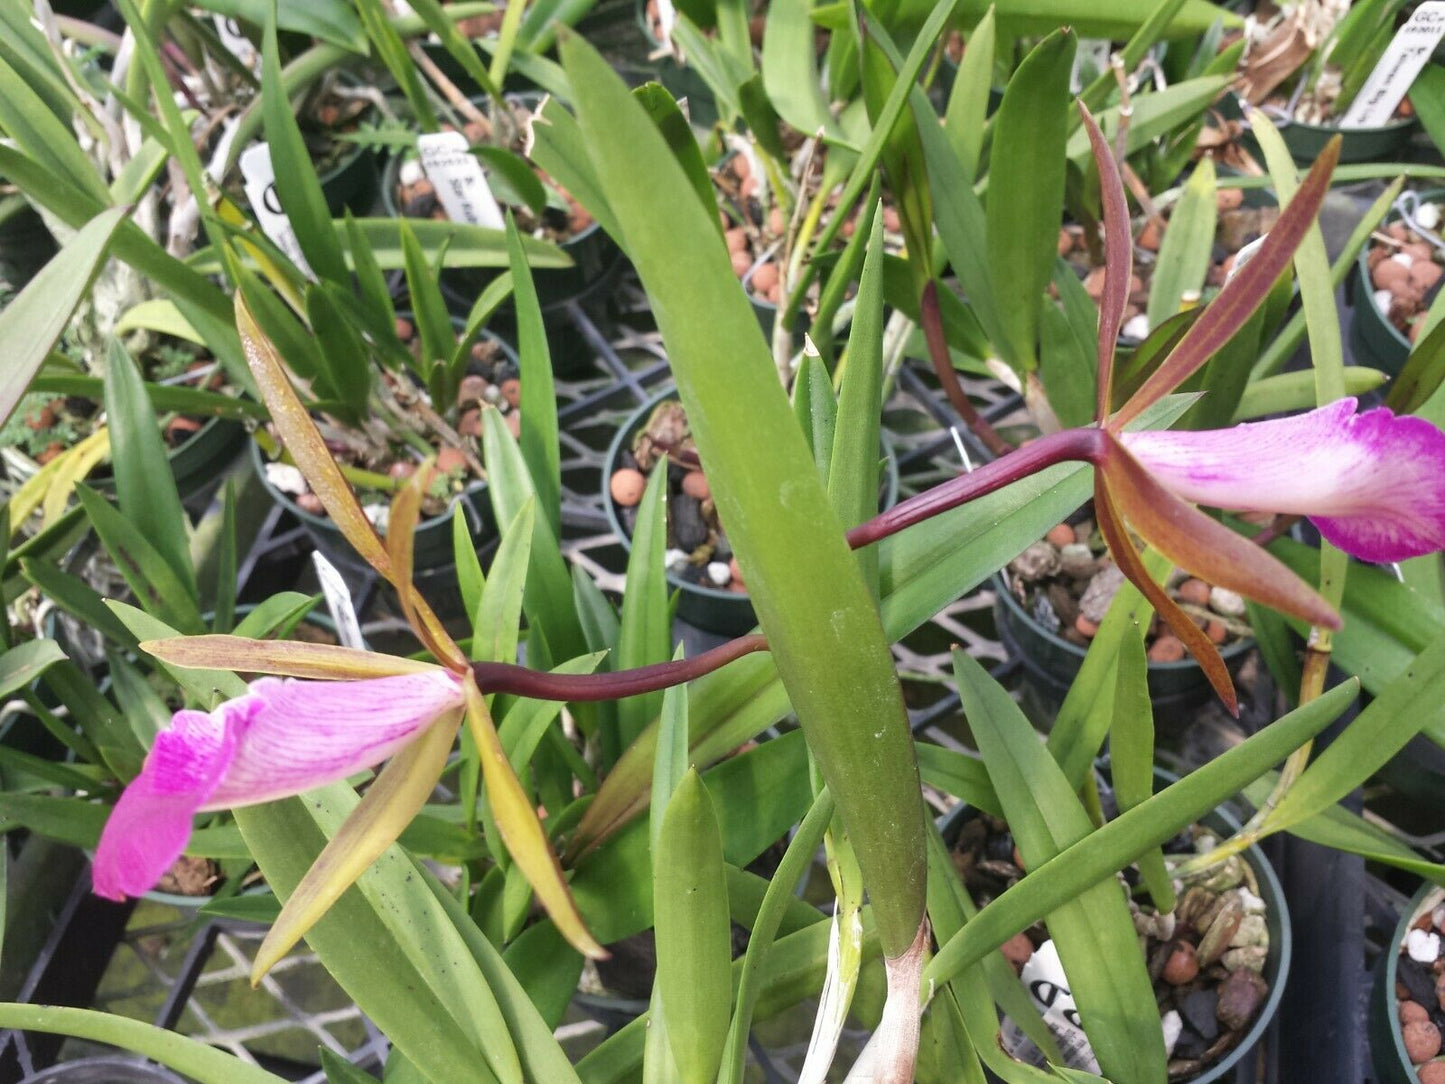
236 42
338 601
258 176
666 21
1403 61
1043 977
461 184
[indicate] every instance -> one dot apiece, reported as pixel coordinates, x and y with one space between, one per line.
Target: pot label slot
1403 61
258 177
460 182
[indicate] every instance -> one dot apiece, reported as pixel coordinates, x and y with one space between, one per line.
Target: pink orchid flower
282 738
1373 483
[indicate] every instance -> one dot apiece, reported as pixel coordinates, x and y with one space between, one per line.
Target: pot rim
1429 897
1362 265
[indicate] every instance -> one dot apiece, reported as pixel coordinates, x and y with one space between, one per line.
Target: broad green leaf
821 621
330 20
790 68
671 762
1287 341
22 664
968 101
959 774
144 485
346 361
816 409
539 440
1069 376
801 849
548 598
297 186
34 320
1183 257
853 473
1341 830
38 132
498 616
1131 755
370 943
1287 392
674 126
1102 853
645 632
77 598
512 178
159 588
1026 187
1093 932
1312 268
195 1059
558 148
694 942
541 1057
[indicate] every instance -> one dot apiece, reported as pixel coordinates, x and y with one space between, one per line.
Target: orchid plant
339 710
465 978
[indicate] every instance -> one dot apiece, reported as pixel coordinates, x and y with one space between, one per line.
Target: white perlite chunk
1424 948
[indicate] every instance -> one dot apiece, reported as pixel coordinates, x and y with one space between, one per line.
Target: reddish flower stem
1085 445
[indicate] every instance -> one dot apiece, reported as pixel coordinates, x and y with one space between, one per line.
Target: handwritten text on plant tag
1043 977
258 176
460 183
338 601
1403 60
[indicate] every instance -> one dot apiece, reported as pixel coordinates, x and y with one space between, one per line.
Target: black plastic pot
1376 341
1051 663
1306 141
104 1071
25 244
354 184
1387 1046
1277 921
433 548
712 609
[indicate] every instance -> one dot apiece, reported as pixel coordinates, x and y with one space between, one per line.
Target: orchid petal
280 739
1205 547
151 822
1373 483
1129 562
315 732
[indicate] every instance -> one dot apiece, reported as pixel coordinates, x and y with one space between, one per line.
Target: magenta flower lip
282 738
1373 483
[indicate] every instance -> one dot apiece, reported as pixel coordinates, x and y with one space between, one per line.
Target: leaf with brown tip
284 658
1118 256
522 832
303 441
1199 645
1205 547
1241 295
